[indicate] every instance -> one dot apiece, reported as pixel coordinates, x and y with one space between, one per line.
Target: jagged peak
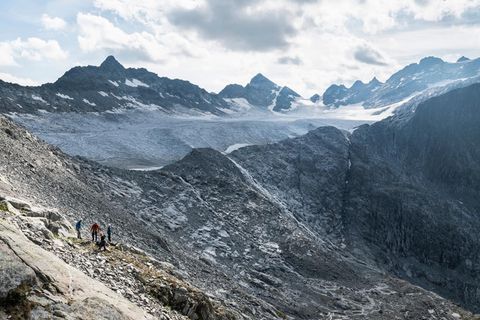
289 90
357 84
463 59
261 79
374 81
111 63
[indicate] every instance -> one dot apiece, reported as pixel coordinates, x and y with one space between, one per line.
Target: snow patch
241 104
274 102
114 83
103 94
88 102
135 83
38 98
64 96
236 146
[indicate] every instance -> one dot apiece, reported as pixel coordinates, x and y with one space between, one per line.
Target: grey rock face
17 278
308 173
413 194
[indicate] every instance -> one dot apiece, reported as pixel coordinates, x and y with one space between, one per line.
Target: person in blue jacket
78 226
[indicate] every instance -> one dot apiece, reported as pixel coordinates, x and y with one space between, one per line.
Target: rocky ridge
111 88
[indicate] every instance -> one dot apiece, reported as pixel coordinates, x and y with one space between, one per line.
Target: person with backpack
95 228
78 226
109 233
102 243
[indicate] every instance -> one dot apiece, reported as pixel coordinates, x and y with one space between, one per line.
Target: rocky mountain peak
261 80
375 82
358 84
315 98
112 64
463 59
430 61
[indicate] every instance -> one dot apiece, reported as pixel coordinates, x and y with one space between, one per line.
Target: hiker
109 233
102 243
78 226
95 228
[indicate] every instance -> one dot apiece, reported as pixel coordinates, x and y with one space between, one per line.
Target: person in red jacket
95 228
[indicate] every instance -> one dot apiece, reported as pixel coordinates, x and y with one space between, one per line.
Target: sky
304 44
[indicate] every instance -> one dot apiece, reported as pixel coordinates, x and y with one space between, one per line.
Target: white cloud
6 55
35 49
337 42
96 32
53 23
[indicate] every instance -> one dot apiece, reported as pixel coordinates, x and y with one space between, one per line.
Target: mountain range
430 72
379 223
111 87
132 118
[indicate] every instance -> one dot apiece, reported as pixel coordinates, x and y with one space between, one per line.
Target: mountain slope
413 194
223 231
401 194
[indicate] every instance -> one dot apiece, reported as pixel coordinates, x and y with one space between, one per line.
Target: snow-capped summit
414 79
262 93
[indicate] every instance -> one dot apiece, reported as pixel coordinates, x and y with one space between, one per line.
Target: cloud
369 55
97 33
34 49
38 49
290 60
237 24
53 23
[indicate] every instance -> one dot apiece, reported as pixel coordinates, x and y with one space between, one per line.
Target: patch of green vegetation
281 314
3 206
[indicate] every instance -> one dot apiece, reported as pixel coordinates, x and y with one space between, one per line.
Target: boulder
8 207
19 204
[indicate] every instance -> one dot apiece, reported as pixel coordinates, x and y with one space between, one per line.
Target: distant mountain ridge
110 87
263 93
412 80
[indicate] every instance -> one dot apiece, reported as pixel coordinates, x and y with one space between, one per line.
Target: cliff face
413 194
